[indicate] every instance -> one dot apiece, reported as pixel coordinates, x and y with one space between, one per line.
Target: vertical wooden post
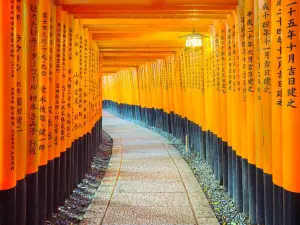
243 95
21 107
250 97
51 112
43 102
260 208
33 114
276 74
57 111
290 111
8 167
266 78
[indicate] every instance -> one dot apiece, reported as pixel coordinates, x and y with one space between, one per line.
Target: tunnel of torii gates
234 101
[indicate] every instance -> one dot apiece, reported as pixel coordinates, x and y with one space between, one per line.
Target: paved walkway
147 182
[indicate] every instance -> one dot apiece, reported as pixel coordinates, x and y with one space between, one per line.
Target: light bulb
188 43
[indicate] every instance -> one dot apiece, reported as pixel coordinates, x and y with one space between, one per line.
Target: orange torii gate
50 108
251 114
234 102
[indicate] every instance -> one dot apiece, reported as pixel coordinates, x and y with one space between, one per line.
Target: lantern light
193 40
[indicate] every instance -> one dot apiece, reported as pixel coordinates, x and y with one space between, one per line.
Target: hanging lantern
193 41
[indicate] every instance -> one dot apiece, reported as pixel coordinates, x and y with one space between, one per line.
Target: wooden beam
142 44
109 68
147 29
120 64
135 10
113 71
127 22
162 38
150 16
109 72
124 49
138 45
127 58
86 9
78 6
136 53
118 36
137 60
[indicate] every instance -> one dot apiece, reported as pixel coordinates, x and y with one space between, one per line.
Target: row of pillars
237 100
50 120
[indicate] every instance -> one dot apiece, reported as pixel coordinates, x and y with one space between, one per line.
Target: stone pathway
147 182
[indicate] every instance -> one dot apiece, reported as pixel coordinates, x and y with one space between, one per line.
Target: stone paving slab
150 186
149 215
147 182
149 200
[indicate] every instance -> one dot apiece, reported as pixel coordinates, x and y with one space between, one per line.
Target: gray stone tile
153 148
165 161
108 182
94 212
114 165
109 179
204 212
208 221
139 167
143 215
104 189
150 156
100 200
149 176
198 198
150 200
149 215
192 187
149 186
172 215
111 171
187 216
120 215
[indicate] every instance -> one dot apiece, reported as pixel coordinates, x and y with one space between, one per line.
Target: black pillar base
245 187
229 182
291 209
21 202
277 205
225 164
63 170
260 205
252 192
239 184
50 183
8 206
32 194
42 193
220 155
56 184
234 191
68 171
268 193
